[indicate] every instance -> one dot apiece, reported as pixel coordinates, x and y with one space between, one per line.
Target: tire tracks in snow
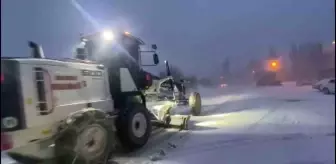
269 112
240 141
229 142
159 140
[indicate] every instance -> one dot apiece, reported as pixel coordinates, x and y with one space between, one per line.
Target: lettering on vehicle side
83 84
92 73
62 77
66 86
69 85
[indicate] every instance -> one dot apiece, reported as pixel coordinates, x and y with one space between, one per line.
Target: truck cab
117 50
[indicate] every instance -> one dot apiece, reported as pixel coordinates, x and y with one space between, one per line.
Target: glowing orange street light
273 65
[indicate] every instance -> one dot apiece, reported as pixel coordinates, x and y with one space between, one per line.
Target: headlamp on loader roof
107 35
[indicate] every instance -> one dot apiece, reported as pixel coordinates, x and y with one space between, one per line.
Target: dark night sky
194 34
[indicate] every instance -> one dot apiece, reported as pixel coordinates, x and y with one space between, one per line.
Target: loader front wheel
195 103
133 126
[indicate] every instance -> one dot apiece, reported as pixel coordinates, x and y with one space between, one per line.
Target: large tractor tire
133 126
325 91
88 139
195 104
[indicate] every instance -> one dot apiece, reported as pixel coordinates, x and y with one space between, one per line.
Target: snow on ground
285 125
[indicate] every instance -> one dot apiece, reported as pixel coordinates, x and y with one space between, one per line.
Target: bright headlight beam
107 35
85 14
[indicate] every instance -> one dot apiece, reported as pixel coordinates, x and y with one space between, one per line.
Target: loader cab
106 44
117 50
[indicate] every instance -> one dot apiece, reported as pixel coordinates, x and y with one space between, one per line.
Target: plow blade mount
175 121
167 115
179 121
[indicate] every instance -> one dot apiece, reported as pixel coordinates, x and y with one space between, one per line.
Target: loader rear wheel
195 103
87 140
133 126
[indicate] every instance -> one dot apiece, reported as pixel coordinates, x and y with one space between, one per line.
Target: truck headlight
107 35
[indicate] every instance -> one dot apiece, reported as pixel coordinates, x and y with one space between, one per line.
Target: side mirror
154 47
156 59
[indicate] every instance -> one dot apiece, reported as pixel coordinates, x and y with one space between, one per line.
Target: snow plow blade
177 121
166 117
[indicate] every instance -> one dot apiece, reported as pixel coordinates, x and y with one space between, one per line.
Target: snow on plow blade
165 114
178 122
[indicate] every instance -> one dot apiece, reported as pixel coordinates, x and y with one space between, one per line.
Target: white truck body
68 87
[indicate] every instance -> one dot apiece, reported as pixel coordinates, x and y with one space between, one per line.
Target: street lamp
333 42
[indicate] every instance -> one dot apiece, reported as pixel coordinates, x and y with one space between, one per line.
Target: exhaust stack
36 50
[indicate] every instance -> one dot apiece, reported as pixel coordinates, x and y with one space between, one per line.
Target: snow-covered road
268 125
286 109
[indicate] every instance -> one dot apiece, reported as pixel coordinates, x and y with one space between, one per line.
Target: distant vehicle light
127 33
107 35
223 85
